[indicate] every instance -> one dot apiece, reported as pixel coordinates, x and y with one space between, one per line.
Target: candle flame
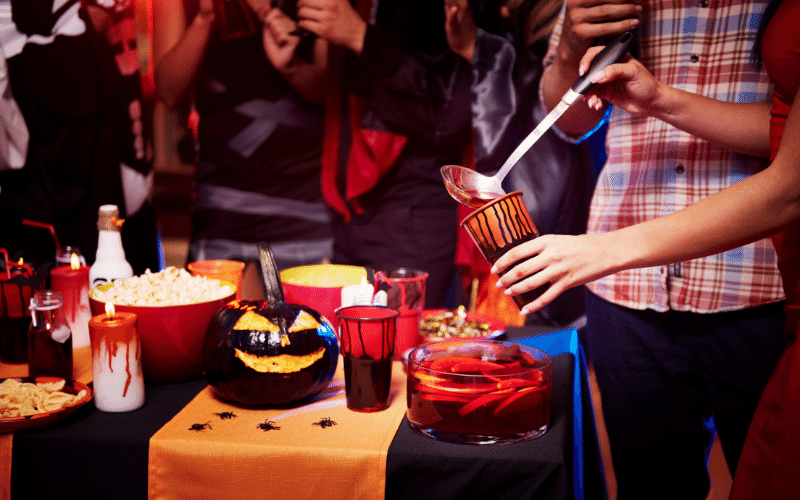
74 261
110 309
20 262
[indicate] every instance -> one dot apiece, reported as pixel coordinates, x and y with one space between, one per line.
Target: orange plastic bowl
172 337
320 287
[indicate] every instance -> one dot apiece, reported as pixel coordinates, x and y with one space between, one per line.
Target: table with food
184 391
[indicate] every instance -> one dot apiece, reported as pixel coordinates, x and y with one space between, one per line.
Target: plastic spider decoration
268 425
226 415
325 422
200 427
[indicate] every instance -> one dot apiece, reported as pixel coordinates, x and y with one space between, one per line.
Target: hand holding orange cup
499 226
224 270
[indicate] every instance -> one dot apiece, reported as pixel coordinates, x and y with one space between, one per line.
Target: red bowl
320 287
172 337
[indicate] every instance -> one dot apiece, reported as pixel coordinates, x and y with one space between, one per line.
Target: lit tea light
116 361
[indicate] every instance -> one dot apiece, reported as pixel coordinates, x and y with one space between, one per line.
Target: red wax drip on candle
73 285
119 329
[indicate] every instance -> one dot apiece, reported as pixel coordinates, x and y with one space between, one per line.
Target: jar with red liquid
479 391
49 337
18 282
14 322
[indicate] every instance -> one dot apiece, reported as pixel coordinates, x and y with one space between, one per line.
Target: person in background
716 224
113 22
259 132
13 131
555 176
74 73
397 110
668 342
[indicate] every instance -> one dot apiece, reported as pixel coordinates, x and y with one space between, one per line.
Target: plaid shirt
654 169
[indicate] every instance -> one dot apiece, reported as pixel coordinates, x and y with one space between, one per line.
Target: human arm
408 82
742 127
179 48
460 28
751 209
333 20
583 22
307 78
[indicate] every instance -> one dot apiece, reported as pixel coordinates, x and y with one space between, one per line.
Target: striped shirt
654 169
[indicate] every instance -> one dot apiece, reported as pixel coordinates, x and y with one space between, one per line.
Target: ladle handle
611 54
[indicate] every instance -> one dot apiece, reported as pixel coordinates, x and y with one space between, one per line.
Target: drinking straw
49 227
26 270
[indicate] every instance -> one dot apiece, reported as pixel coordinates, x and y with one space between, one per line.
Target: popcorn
169 287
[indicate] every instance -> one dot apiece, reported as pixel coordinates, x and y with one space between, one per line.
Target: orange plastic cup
223 270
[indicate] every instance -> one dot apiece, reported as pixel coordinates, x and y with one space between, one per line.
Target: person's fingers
450 12
310 14
547 297
516 254
586 26
587 59
594 102
619 71
312 4
206 7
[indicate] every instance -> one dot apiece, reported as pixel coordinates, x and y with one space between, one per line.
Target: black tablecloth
105 455
95 454
418 467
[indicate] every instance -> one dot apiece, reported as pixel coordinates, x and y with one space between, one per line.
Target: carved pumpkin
269 352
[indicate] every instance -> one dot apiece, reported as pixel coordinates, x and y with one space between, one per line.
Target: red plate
497 327
13 424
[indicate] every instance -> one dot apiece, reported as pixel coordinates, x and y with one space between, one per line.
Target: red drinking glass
479 391
367 337
406 293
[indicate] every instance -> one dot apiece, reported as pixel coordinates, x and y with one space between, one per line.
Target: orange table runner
81 371
303 458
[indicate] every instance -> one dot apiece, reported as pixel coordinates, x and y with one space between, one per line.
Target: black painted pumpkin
269 352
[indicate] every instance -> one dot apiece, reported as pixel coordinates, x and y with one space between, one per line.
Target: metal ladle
474 189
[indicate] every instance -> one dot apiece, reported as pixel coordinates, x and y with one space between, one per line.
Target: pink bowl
172 336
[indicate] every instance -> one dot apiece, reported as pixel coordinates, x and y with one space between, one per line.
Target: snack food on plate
169 287
20 399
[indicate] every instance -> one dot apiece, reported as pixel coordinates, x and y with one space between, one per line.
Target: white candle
380 298
116 361
357 295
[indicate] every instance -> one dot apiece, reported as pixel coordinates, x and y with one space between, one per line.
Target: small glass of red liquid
367 337
479 391
49 337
